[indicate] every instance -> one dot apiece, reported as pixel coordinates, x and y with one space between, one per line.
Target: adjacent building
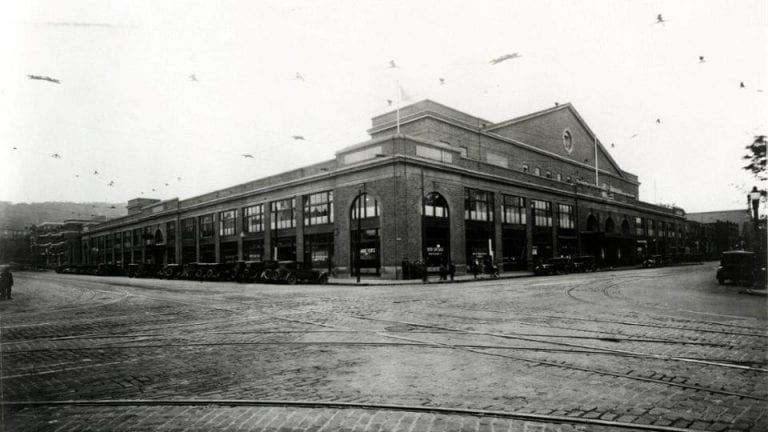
58 243
432 184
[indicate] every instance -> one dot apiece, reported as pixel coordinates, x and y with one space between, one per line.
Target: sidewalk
433 279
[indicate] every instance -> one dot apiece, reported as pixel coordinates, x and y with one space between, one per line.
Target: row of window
653 228
478 206
547 173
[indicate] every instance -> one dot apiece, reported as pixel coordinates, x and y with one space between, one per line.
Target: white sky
126 105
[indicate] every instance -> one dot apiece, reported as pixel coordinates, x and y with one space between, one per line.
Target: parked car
214 271
654 261
291 272
109 270
171 271
551 266
740 267
252 271
583 264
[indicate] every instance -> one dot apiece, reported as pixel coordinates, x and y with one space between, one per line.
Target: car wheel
323 279
290 279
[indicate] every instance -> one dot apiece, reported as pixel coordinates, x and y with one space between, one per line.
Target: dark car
109 270
561 265
291 272
740 267
214 271
145 270
253 271
584 264
171 271
654 261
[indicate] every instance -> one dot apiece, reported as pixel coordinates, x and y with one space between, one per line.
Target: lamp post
754 200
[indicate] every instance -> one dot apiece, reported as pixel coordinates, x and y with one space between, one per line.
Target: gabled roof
566 106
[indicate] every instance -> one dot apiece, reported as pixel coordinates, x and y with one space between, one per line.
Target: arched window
625 227
609 225
592 223
436 206
158 237
366 206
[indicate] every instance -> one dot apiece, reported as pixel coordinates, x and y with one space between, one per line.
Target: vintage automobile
214 271
654 261
291 272
109 270
142 270
253 271
170 271
560 265
582 264
741 268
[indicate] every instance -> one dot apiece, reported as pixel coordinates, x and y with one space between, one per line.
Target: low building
58 243
432 184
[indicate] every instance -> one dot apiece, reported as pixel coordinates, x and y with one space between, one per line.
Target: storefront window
283 213
318 208
366 205
513 210
478 205
542 213
206 226
565 216
227 223
188 229
253 219
435 206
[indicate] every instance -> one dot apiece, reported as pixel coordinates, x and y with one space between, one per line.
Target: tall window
127 239
227 223
206 226
542 213
565 216
136 237
283 213
318 208
513 210
651 227
537 171
435 206
148 237
368 207
662 229
170 229
478 205
253 219
639 226
188 229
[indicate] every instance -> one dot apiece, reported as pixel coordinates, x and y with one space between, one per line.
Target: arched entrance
364 235
436 231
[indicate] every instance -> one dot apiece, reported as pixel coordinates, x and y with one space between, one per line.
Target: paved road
663 347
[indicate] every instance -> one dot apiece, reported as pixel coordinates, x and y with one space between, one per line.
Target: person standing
6 282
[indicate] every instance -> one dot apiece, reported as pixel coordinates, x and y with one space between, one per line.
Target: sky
162 99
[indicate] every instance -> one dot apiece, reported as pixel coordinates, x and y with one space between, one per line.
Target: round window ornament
567 141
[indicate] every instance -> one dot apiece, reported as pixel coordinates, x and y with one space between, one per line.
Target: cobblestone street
660 349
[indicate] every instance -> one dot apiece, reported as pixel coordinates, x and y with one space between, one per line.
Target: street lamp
754 199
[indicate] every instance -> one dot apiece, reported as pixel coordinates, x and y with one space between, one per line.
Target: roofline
436 103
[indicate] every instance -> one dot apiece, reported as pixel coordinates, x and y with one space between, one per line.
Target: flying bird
741 84
557 103
701 59
111 183
392 64
442 81
44 78
299 77
77 175
612 145
166 184
658 121
15 148
659 19
298 137
56 156
178 178
505 57
193 78
95 173
248 156
153 190
634 136
389 103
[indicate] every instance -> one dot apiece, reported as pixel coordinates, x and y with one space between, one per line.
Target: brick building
446 186
57 243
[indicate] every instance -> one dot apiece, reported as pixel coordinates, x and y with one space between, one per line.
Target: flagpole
399 96
597 179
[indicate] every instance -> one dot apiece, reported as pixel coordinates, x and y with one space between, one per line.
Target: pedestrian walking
443 270
451 270
6 282
475 267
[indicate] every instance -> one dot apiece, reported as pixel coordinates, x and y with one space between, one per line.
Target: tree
756 158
